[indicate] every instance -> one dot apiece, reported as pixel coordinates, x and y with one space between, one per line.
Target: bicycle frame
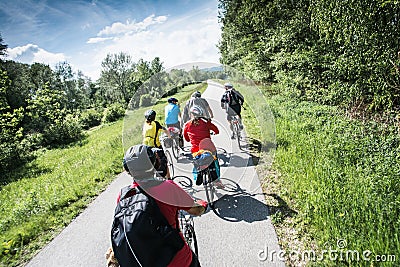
174 132
187 227
235 123
207 183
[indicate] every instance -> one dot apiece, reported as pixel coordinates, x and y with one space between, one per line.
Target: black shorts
162 169
233 110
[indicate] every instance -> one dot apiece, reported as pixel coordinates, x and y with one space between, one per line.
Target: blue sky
84 32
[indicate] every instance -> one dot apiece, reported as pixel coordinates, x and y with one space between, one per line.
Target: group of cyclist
195 125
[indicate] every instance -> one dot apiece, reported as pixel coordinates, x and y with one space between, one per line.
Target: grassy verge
50 191
54 189
334 186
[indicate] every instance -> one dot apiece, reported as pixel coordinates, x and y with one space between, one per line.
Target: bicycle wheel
184 181
237 132
170 163
175 148
191 239
209 188
186 224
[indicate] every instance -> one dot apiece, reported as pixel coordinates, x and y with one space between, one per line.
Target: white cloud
176 41
131 27
31 53
96 40
188 41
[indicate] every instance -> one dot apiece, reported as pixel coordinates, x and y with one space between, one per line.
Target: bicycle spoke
170 163
238 134
209 188
176 149
187 227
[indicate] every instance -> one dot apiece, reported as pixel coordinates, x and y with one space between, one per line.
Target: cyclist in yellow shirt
152 130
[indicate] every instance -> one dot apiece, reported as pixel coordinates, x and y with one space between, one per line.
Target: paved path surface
239 233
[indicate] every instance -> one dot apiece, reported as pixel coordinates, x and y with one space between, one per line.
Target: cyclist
173 116
169 196
232 102
197 132
196 100
152 130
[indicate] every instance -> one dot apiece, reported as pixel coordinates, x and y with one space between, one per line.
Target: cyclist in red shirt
139 162
197 131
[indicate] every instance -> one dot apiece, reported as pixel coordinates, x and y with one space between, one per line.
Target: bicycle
186 224
170 164
175 136
236 128
208 181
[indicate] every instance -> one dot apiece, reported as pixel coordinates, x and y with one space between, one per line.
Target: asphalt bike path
238 232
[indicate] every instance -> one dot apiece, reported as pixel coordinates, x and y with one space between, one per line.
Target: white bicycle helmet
196 111
228 85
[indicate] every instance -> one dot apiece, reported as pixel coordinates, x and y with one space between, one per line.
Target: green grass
337 179
46 194
62 182
343 176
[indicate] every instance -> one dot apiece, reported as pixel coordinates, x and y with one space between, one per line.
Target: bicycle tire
184 181
209 188
170 164
189 231
175 148
237 130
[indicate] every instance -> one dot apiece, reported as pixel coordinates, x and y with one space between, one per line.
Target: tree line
343 53
41 107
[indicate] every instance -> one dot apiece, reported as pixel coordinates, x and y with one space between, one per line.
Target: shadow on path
235 205
241 207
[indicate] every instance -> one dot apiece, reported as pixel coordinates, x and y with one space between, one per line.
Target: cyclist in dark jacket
232 102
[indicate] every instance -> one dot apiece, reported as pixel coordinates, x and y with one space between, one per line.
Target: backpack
149 134
140 234
235 97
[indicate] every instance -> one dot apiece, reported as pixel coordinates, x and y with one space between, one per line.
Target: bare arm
166 132
198 208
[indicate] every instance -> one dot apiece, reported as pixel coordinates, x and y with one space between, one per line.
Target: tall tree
10 127
337 52
115 77
68 85
156 65
3 47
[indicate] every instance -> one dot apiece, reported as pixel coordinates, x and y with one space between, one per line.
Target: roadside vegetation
43 196
334 183
330 74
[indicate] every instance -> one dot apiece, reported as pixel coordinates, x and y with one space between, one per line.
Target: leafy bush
63 131
90 118
113 113
8 155
11 135
146 100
